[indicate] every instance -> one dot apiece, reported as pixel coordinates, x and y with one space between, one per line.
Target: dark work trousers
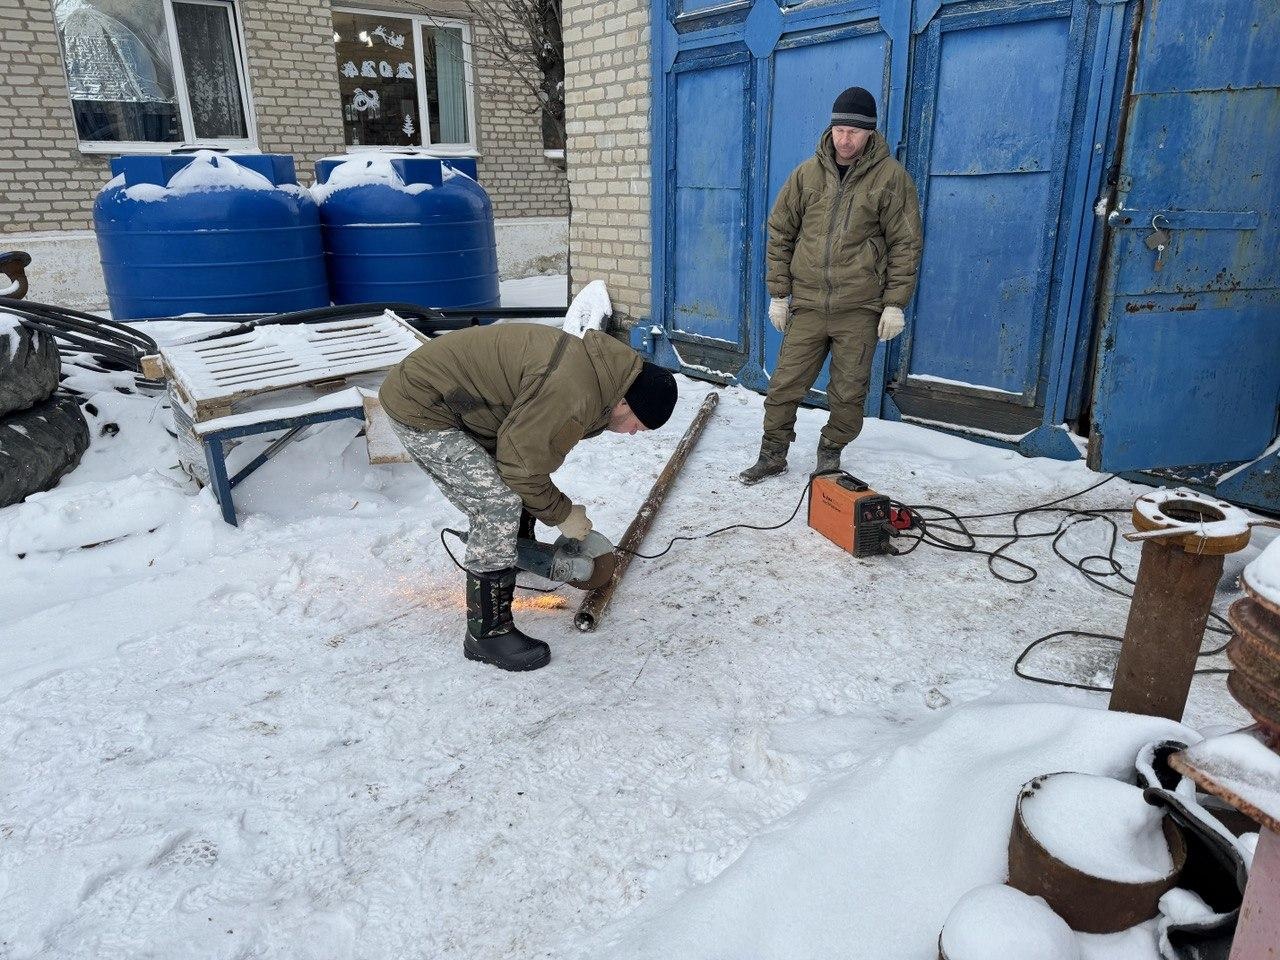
850 336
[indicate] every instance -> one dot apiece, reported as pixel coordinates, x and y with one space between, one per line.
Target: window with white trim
151 72
404 81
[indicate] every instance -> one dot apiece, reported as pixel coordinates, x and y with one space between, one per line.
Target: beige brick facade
607 113
48 183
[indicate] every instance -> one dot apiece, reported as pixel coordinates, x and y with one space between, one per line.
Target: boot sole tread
750 482
520 668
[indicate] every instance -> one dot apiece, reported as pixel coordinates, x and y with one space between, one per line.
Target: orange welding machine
853 516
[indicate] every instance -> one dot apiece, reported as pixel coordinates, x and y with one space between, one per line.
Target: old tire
40 446
29 367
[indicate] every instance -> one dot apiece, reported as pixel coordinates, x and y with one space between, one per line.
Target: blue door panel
1188 360
1218 193
999 90
707 294
1194 45
992 158
1178 384
709 225
807 77
983 262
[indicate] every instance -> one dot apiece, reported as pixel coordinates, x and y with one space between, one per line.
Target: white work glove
891 322
779 313
577 524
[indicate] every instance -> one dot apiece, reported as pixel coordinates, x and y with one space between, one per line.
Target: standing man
844 248
490 413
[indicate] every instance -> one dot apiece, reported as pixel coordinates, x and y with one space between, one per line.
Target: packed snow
1100 826
996 922
264 740
589 310
206 171
872 864
363 169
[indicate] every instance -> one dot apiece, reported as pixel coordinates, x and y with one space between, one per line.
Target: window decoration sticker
367 69
404 71
385 69
409 128
362 101
349 70
389 36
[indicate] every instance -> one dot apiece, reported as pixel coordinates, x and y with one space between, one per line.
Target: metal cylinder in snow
208 233
409 229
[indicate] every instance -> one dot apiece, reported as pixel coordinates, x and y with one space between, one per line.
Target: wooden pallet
209 378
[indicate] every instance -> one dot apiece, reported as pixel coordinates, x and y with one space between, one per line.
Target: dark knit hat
652 396
856 107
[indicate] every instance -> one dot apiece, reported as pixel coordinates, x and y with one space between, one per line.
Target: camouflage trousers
467 476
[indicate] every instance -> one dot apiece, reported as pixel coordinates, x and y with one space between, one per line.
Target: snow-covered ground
264 741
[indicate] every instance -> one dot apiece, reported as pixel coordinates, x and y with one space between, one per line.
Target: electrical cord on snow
1072 517
944 521
808 487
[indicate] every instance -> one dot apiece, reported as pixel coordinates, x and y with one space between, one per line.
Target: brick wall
293 79
607 113
519 176
46 183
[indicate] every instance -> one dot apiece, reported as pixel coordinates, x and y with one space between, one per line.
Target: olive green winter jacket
526 392
856 242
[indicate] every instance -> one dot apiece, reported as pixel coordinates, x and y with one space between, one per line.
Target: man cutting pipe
490 413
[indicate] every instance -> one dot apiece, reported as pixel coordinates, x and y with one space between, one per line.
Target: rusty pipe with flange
1177 576
1254 652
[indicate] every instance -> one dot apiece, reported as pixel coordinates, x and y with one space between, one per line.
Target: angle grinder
585 564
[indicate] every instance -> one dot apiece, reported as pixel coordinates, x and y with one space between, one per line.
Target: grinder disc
604 567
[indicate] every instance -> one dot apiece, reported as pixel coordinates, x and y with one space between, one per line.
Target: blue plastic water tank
411 229
208 233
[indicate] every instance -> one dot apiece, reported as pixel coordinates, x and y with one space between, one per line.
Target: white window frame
469 149
189 139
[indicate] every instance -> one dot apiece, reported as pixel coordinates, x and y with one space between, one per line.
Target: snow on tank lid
206 170
409 173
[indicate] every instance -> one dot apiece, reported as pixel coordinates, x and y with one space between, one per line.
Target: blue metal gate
743 90
1024 125
1188 361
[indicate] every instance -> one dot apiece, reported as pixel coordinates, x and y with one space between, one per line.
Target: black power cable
114 345
944 521
653 556
1086 566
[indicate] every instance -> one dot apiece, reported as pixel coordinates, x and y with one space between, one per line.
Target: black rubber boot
492 636
772 461
828 458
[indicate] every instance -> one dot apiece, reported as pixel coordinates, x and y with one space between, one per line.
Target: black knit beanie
856 107
652 395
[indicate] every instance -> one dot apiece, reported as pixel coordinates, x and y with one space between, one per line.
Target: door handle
1123 218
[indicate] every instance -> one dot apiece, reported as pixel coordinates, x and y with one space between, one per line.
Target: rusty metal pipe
1186 536
1170 609
595 603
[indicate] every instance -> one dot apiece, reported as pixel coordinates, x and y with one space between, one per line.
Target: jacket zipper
831 233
